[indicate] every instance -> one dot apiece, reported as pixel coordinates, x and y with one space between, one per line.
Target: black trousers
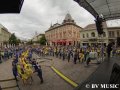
68 58
75 59
109 53
40 75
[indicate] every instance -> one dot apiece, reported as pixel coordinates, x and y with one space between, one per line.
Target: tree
13 40
18 41
43 40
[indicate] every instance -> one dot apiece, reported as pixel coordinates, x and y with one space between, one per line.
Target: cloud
37 15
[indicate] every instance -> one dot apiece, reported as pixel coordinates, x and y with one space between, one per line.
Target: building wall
68 32
87 37
4 35
36 38
111 35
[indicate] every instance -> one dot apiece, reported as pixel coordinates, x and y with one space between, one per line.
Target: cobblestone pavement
76 72
6 73
51 80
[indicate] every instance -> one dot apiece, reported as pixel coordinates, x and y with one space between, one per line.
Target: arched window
93 34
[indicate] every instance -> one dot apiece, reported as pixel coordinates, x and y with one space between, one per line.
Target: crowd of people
81 54
6 53
24 65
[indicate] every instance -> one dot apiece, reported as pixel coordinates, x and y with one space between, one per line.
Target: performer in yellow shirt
29 72
81 56
22 73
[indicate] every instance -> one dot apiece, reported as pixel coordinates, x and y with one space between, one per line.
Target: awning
11 6
110 9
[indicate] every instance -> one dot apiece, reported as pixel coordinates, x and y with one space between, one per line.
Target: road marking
64 77
61 75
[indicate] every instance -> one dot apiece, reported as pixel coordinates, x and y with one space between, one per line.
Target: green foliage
13 40
18 41
43 40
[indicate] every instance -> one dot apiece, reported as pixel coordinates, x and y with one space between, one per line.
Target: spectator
109 49
75 56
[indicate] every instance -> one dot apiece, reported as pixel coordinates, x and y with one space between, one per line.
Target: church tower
68 19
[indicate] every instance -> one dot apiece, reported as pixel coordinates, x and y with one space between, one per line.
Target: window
111 34
93 34
83 35
104 34
87 35
60 34
118 34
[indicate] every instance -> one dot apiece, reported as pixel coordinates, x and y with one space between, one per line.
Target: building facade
89 35
4 35
113 33
66 33
37 38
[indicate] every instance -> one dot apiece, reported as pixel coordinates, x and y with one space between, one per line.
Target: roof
90 26
40 35
68 17
10 6
55 25
1 26
4 28
93 26
62 25
67 21
114 28
110 9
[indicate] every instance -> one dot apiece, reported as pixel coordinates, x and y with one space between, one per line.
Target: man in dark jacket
109 49
75 56
38 70
14 70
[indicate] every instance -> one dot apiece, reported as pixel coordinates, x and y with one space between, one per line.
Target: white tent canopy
110 9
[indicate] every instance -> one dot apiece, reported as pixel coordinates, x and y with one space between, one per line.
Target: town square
59 45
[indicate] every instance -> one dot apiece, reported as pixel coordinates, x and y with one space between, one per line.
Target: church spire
68 19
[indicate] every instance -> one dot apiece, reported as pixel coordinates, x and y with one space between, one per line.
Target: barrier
10 86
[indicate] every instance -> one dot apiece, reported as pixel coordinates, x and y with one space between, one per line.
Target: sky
37 15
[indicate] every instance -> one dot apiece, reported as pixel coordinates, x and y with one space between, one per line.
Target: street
78 73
